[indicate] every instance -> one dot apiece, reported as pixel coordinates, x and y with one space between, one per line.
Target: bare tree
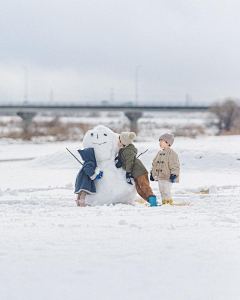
226 115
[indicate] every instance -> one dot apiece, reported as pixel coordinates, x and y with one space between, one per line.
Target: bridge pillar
133 117
26 121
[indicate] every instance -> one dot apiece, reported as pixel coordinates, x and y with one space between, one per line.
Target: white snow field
53 250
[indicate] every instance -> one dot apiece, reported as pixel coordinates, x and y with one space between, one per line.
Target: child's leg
143 186
139 191
161 188
81 198
165 190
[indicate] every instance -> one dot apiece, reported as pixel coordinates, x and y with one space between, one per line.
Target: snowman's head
103 140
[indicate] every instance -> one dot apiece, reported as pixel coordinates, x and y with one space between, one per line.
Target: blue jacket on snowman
89 172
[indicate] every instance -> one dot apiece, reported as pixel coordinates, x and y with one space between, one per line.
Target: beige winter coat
164 164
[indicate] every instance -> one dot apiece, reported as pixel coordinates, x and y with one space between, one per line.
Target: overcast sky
90 50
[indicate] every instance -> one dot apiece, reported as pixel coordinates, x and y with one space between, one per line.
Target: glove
151 177
128 178
118 163
173 177
99 175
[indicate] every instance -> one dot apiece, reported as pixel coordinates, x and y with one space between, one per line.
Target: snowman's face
103 140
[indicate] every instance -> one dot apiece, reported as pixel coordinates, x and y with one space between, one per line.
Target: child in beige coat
165 167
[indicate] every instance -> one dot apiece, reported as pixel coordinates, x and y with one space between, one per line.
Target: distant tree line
226 116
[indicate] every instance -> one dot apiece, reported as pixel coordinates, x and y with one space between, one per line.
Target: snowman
112 188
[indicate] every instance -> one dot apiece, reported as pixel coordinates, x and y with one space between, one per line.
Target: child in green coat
134 167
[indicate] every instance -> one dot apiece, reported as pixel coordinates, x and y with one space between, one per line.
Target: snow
52 249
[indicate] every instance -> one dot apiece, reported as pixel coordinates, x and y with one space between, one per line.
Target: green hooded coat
130 163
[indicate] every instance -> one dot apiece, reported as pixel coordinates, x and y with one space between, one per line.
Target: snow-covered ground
52 249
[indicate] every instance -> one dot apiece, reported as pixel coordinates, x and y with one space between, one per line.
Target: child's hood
133 148
88 154
129 148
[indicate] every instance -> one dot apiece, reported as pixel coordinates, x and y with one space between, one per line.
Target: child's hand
151 177
128 178
99 175
173 177
118 163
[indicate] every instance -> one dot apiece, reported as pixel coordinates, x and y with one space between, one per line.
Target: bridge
133 112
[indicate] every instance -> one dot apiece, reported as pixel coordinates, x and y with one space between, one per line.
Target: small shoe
81 202
167 202
152 200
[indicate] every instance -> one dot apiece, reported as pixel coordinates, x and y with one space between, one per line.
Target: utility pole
51 95
187 99
112 95
26 85
136 82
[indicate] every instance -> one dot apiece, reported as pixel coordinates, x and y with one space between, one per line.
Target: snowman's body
112 188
